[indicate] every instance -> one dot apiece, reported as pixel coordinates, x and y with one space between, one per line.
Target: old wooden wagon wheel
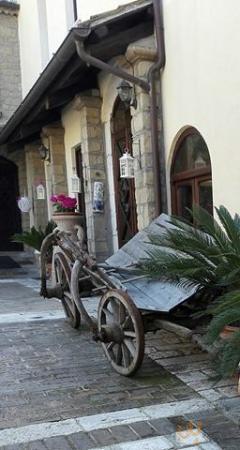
122 333
63 277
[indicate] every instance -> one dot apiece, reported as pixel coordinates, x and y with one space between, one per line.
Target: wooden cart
130 304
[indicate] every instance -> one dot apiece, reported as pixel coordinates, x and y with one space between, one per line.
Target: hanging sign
24 204
98 197
40 189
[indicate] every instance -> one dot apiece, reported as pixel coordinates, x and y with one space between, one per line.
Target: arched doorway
10 216
191 174
124 188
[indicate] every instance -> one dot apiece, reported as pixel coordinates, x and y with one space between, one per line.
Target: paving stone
162 426
103 437
15 447
229 444
38 445
123 434
57 443
143 429
49 372
62 374
81 441
210 446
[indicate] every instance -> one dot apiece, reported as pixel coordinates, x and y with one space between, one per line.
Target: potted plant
34 239
206 256
65 214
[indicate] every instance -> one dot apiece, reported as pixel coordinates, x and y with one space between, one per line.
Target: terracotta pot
66 221
228 331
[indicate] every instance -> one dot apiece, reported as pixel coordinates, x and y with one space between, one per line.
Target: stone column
94 169
142 57
35 176
55 168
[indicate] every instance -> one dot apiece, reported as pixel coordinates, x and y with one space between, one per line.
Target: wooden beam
60 97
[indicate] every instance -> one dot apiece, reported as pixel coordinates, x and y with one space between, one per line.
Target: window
191 175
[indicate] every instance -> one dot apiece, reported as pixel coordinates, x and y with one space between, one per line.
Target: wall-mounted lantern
40 190
75 183
126 165
127 94
44 153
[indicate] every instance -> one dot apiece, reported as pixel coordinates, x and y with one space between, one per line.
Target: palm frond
229 225
229 356
222 319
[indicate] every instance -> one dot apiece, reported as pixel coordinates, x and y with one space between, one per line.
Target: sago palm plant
205 256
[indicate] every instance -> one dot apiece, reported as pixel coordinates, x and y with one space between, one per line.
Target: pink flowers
63 203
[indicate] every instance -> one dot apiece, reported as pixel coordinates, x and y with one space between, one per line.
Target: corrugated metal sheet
148 294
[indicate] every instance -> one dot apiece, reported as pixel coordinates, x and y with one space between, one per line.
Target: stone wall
10 75
35 176
142 58
55 168
93 155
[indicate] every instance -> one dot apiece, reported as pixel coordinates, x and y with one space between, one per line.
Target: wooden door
10 216
124 188
81 195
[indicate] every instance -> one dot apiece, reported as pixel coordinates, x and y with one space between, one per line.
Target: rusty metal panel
148 294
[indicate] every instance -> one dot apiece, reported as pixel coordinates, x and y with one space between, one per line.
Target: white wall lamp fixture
126 165
127 94
75 183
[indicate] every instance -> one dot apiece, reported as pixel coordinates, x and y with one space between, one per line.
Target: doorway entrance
126 209
191 175
10 216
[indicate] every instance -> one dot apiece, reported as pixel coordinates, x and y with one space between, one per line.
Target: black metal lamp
44 153
127 94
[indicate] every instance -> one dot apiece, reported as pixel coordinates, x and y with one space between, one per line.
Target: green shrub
205 256
34 237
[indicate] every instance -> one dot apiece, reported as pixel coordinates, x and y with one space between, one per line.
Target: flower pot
67 221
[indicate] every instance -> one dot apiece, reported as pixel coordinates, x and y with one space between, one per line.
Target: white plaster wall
72 138
43 25
86 9
201 85
59 19
30 46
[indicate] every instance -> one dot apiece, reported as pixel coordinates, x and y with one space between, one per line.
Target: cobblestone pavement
59 392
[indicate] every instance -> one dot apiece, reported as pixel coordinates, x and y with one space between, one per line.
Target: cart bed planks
148 295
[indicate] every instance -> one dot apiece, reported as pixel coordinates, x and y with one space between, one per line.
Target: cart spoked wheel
122 333
63 277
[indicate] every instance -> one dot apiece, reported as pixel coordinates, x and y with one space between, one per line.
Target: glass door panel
184 199
205 195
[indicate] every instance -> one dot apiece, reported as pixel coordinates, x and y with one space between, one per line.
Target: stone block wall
55 169
10 74
35 176
93 156
142 58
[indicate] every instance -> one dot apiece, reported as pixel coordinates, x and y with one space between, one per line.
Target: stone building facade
95 122
10 98
10 78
